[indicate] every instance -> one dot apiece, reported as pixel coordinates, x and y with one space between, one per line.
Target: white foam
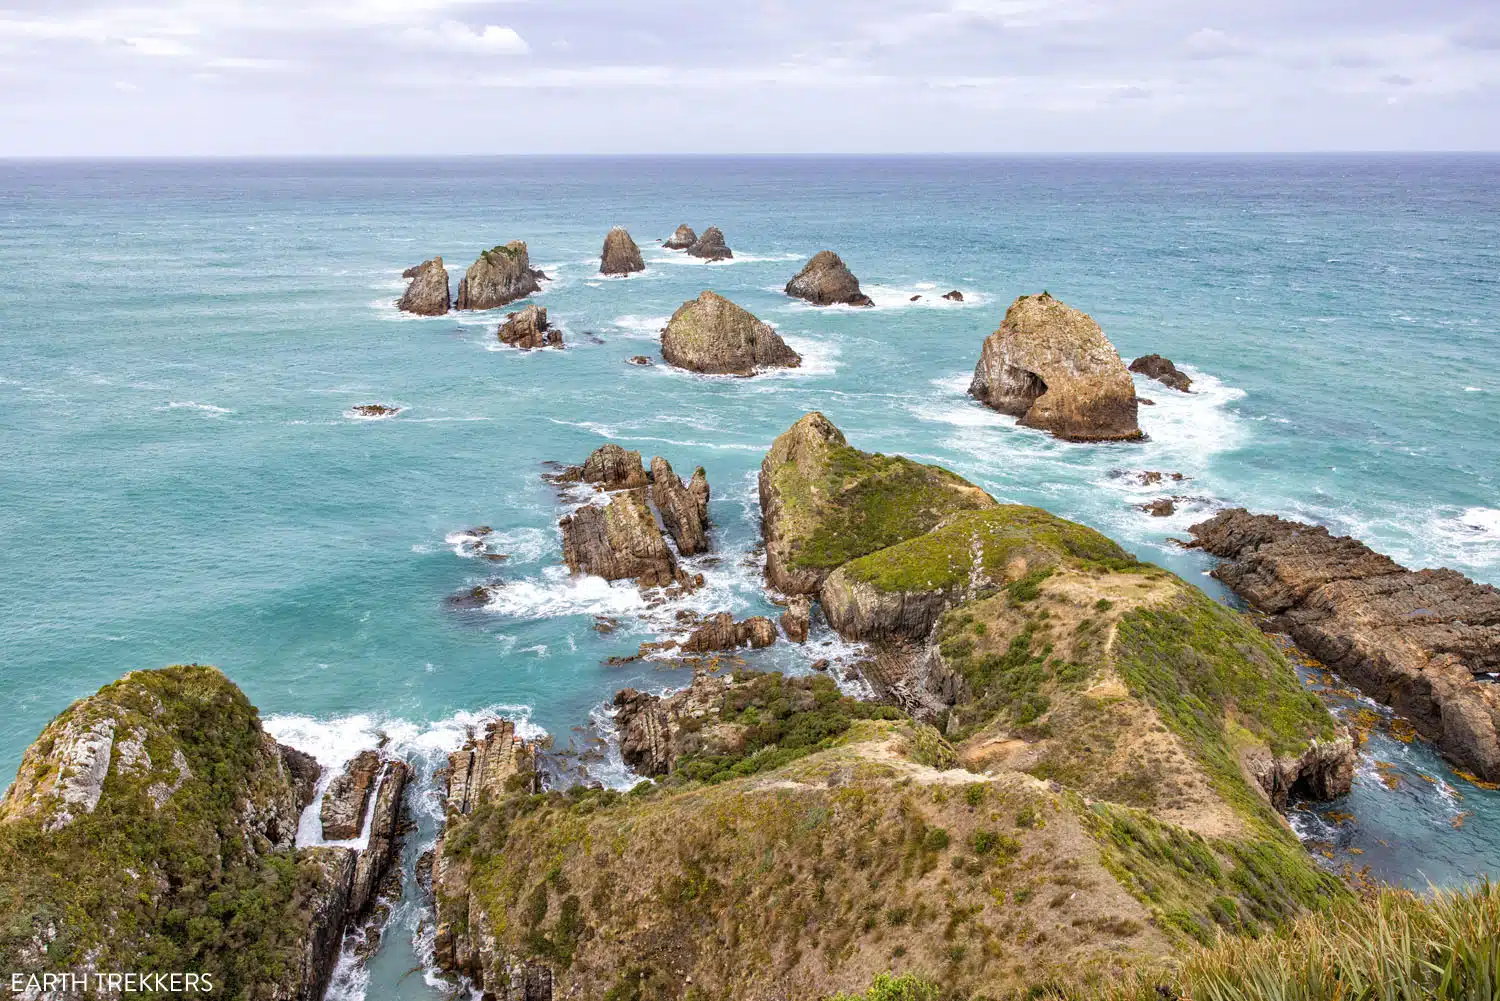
897 297
207 408
683 258
647 328
355 415
557 593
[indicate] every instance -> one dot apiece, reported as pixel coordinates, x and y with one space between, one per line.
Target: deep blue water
182 341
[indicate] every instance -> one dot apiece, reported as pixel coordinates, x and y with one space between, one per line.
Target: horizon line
989 155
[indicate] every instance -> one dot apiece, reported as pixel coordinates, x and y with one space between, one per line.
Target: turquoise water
182 341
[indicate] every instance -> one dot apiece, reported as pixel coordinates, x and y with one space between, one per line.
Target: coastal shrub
907 987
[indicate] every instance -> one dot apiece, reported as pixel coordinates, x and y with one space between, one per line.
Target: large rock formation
620 256
1052 367
657 730
1415 640
1163 371
489 764
825 281
710 246
343 811
529 329
160 804
609 467
710 334
682 239
620 541
824 503
721 632
500 276
427 292
684 509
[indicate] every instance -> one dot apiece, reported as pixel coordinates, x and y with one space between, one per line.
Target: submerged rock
343 810
374 410
712 335
1052 367
682 239
1416 640
427 293
1163 371
823 503
710 246
825 281
620 256
501 275
641 360
682 514
529 329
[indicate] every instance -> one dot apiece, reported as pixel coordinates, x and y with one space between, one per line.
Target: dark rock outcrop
1161 507
609 467
1163 371
721 632
374 410
620 541
954 296
620 255
681 511
825 281
710 334
501 275
656 730
1052 367
640 360
1415 640
383 844
427 294
343 809
682 239
710 246
529 329
797 618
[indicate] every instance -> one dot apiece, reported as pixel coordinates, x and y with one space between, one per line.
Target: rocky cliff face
710 246
160 803
721 632
710 334
657 730
343 810
682 239
1052 367
619 541
684 509
529 329
609 467
620 255
823 503
427 291
1163 371
500 276
825 281
1415 640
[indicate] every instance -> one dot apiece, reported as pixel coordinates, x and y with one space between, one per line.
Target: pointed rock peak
620 255
682 239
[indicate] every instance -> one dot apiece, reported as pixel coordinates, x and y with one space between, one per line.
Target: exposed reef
1050 366
1416 640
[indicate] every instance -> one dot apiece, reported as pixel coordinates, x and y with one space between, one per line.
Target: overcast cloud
165 77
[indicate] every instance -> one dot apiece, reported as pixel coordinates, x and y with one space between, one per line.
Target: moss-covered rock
152 828
824 503
712 335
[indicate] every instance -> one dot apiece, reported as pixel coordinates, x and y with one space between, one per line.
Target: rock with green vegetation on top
712 335
501 275
824 503
1052 367
152 828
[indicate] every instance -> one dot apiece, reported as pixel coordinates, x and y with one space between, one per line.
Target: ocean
184 481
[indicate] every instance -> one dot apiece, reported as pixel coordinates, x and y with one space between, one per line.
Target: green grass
944 559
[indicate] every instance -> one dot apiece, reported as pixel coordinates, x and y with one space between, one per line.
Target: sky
429 77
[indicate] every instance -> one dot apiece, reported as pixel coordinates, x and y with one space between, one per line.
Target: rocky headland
1050 366
1163 371
159 805
682 239
528 329
714 336
620 255
710 246
826 281
427 289
500 276
1416 640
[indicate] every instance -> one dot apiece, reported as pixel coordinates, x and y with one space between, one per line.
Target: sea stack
1163 371
500 276
1052 367
427 291
712 335
529 329
620 256
826 281
682 239
710 246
